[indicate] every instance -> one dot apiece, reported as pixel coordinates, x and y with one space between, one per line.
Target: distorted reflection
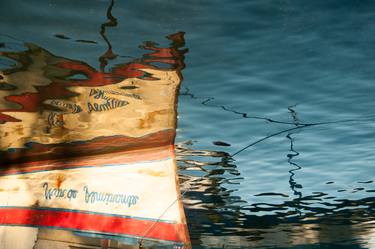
218 218
90 151
45 104
69 132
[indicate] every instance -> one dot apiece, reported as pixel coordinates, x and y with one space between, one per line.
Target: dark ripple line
370 181
206 100
272 194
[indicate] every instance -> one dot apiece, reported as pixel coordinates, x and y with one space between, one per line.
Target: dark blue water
276 113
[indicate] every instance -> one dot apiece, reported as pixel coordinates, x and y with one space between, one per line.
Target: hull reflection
91 152
46 114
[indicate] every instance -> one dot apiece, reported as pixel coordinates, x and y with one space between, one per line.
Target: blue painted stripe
97 234
131 239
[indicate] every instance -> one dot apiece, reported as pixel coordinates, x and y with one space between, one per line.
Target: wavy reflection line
296 120
206 100
112 22
292 182
298 124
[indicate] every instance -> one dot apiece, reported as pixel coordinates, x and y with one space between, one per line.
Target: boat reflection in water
90 152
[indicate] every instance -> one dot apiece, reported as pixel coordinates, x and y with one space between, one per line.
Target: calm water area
276 111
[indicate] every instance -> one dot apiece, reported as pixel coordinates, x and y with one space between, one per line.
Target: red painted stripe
93 223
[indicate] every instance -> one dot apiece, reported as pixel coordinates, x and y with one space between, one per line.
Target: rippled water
275 136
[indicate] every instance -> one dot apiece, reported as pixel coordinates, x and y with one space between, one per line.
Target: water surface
275 134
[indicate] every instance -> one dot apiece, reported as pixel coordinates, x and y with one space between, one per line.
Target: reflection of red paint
94 222
33 102
5 118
